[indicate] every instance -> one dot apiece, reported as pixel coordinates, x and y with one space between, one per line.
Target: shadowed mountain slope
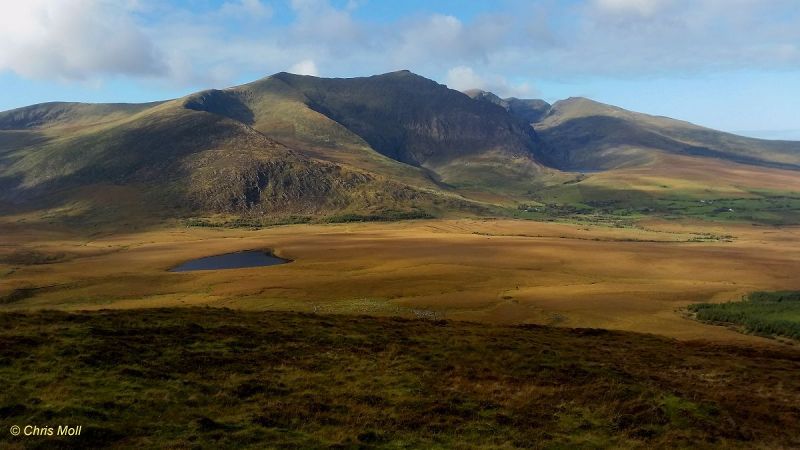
528 110
581 134
437 134
412 119
178 160
578 134
284 145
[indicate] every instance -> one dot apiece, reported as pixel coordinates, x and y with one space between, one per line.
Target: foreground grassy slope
211 377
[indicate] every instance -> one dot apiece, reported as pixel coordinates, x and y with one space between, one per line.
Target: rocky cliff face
415 120
528 110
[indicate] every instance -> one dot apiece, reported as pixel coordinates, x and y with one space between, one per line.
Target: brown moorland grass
219 378
697 177
498 271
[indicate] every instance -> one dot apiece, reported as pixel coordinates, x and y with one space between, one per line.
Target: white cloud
249 9
74 39
498 51
324 26
641 7
628 38
521 90
305 67
462 78
441 38
354 4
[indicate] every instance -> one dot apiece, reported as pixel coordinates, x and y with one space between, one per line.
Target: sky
732 65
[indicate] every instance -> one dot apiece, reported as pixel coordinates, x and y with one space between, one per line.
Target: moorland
221 378
488 270
462 270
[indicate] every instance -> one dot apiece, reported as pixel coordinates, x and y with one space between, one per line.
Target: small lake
238 260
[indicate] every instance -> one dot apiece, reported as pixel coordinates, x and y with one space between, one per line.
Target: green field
763 313
176 378
595 204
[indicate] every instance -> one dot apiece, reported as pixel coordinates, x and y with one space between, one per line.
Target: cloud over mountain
225 40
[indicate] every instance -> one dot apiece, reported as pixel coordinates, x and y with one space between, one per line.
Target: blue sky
728 64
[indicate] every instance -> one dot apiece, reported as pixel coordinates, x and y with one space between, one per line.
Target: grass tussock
181 378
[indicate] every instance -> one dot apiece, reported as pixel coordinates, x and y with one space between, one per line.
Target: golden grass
699 176
498 271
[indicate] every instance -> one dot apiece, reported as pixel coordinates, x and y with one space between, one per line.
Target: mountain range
387 146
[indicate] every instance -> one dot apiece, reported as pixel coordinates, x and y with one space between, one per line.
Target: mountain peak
480 94
529 110
578 100
472 93
582 106
404 74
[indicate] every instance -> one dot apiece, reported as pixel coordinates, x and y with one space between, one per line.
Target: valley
495 271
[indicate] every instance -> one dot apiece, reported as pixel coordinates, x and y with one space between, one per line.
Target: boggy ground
498 271
218 378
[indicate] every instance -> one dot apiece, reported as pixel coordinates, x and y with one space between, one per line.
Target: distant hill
392 145
55 114
581 134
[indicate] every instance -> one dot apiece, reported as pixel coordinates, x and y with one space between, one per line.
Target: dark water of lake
238 260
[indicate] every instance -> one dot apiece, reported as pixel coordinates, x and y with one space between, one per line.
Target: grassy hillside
265 150
580 134
301 148
219 378
67 115
412 119
399 124
278 111
421 123
176 160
